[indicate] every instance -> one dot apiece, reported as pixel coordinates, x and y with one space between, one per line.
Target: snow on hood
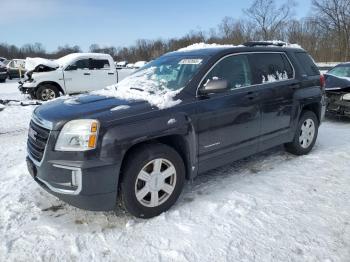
142 86
32 63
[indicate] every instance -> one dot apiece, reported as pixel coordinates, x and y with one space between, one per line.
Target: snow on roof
31 63
274 43
202 45
279 42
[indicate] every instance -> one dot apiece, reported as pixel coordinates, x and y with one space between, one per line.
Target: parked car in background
121 64
2 59
71 74
16 68
3 72
139 64
181 115
338 89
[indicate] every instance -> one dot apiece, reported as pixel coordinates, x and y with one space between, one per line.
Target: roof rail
264 43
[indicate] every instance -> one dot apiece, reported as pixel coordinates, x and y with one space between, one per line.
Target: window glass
270 67
341 71
82 64
307 63
99 64
235 69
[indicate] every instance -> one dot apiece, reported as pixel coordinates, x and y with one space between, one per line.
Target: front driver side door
228 123
77 77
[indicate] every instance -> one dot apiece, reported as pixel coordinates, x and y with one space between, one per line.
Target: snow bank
142 86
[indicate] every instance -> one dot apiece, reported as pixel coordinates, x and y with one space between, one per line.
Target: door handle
251 95
111 73
86 74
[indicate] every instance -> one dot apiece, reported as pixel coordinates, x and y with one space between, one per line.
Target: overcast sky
117 23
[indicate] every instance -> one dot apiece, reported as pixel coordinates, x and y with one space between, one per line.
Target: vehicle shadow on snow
58 211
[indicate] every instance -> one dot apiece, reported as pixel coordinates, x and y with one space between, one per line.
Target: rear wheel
47 92
305 135
152 180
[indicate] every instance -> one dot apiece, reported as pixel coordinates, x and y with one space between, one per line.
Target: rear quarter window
307 63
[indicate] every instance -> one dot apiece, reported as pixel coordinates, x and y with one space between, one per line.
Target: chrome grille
37 140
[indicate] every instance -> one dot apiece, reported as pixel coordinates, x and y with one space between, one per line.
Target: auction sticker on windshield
190 61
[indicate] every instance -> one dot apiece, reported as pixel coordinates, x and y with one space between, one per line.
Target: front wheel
305 135
47 92
152 180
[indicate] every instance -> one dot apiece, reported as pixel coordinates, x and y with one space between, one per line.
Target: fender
168 129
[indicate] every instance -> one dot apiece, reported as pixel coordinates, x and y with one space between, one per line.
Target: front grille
37 140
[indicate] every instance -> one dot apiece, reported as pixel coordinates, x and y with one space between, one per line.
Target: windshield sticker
190 61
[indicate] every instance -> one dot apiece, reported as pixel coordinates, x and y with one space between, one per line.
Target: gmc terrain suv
187 112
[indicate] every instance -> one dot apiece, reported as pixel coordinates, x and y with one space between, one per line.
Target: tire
10 77
47 92
305 135
3 80
147 185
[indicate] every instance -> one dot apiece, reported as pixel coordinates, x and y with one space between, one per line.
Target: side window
307 64
82 64
270 67
235 69
99 64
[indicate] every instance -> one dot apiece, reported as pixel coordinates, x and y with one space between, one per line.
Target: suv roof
257 46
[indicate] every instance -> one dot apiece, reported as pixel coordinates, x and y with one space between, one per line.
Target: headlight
346 97
78 135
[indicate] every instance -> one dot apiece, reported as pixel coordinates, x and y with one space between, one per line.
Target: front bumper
337 106
27 88
87 188
82 179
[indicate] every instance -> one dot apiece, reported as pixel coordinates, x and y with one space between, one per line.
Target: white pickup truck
71 74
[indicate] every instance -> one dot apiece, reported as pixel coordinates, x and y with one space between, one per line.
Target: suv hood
105 109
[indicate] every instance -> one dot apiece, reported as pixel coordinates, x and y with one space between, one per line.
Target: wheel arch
180 143
60 89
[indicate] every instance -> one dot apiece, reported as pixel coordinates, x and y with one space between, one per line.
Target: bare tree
268 17
334 17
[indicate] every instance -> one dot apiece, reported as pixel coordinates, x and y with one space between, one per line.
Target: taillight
322 81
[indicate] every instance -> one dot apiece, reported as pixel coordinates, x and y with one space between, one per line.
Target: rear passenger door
274 75
102 74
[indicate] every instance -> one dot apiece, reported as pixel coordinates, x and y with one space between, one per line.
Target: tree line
325 33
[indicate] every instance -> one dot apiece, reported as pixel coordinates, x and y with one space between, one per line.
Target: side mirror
71 68
215 86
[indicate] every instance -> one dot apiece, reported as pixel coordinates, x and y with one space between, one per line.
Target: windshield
169 72
340 71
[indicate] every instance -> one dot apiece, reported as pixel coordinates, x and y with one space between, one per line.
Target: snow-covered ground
270 207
